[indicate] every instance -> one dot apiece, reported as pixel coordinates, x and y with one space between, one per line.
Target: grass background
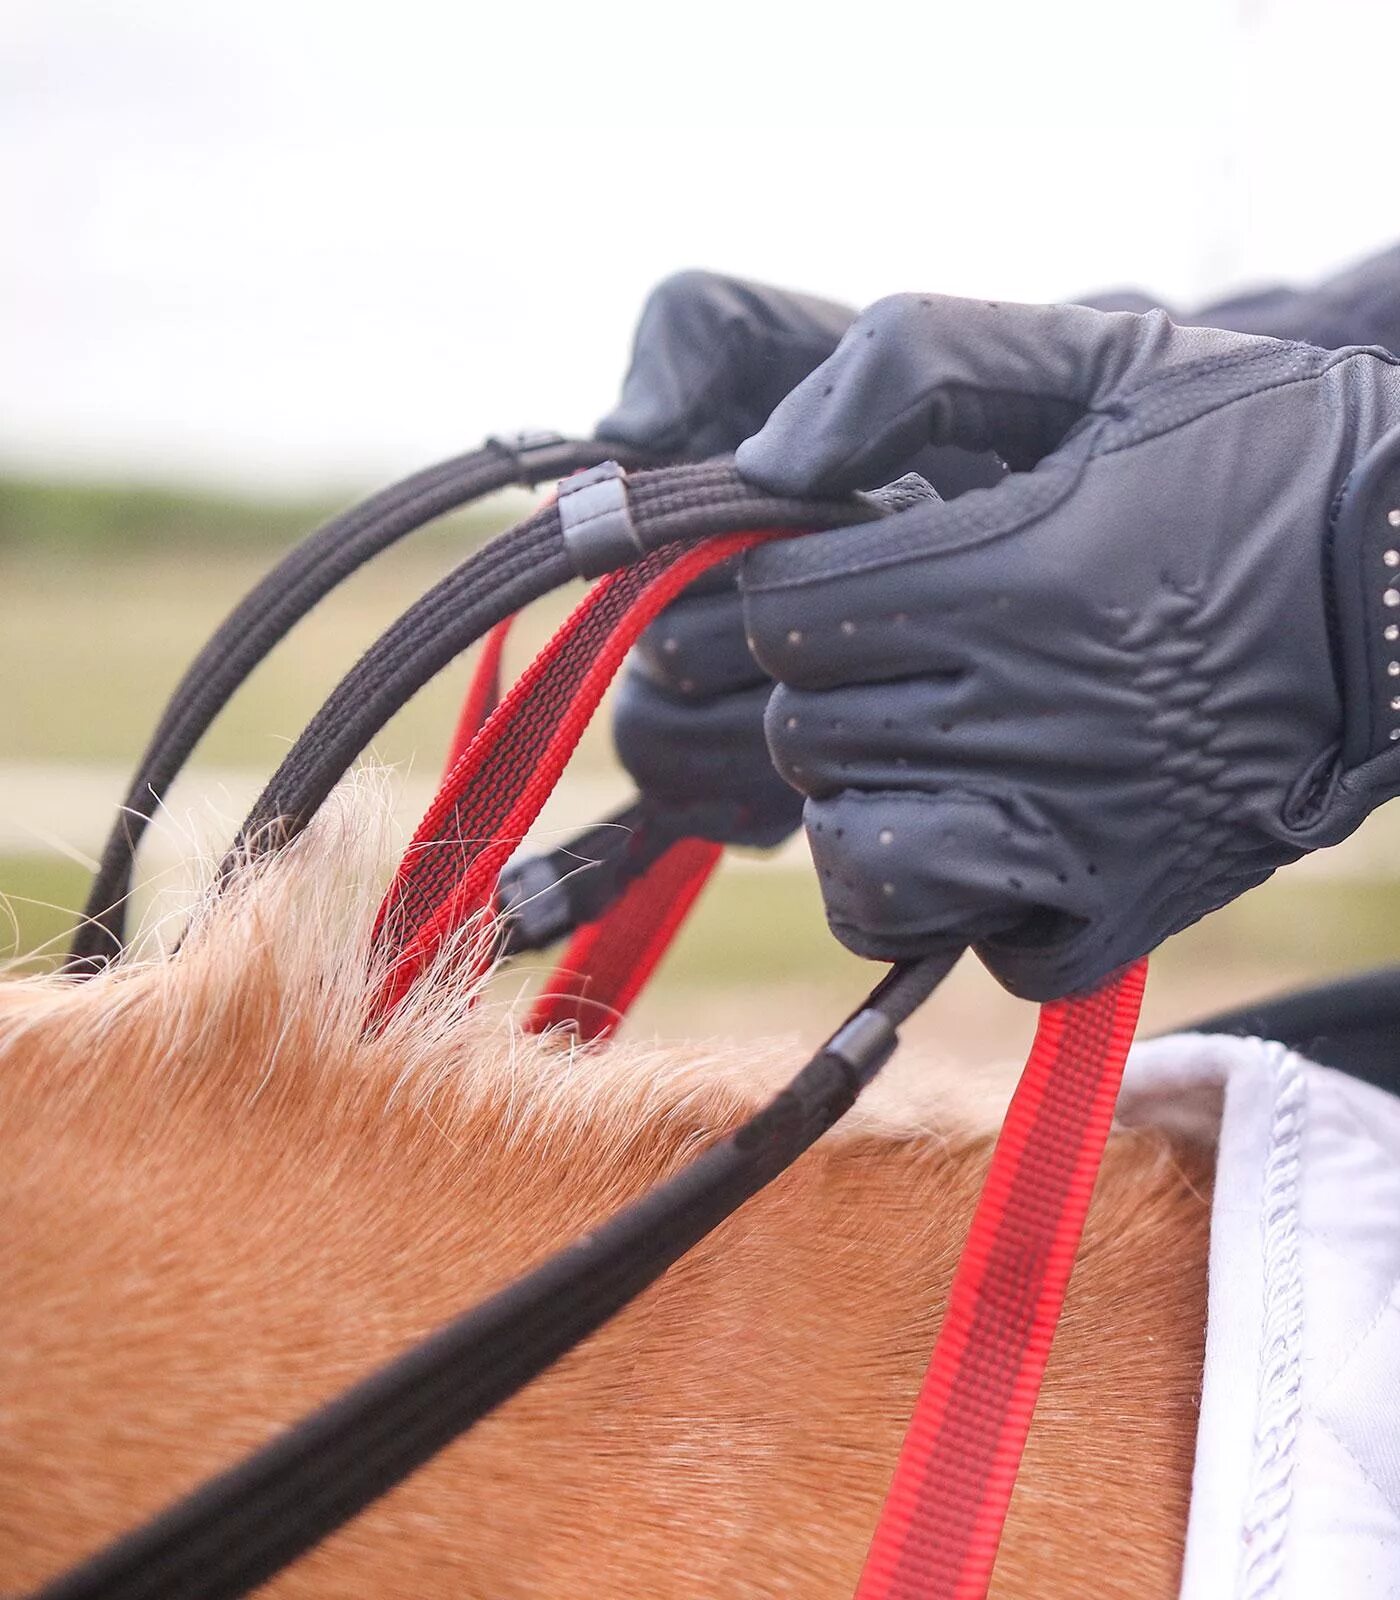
109 589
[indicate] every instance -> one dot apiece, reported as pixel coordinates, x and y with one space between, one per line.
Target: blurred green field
94 517
106 594
95 638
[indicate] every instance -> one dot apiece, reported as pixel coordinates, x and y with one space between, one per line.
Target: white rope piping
1279 1405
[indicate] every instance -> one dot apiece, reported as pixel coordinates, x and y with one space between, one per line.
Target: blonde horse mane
282 953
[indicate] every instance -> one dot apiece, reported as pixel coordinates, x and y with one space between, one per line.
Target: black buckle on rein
523 447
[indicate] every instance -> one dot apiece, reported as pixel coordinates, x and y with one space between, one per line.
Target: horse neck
229 1209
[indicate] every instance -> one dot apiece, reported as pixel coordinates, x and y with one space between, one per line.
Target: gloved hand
1064 717
713 356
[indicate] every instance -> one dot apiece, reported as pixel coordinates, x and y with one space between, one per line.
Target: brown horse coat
221 1204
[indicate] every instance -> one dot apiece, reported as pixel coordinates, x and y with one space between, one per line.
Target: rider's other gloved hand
713 356
1061 718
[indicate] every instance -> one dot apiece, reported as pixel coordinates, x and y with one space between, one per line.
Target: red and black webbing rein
643 535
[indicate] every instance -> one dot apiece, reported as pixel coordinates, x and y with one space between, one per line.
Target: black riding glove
1064 717
713 356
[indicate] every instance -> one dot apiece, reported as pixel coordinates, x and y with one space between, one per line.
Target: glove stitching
1139 430
1274 351
1198 834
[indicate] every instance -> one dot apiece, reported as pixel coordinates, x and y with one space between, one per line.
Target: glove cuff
1366 597
1342 789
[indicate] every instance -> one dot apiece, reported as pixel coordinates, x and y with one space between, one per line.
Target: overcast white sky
293 241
